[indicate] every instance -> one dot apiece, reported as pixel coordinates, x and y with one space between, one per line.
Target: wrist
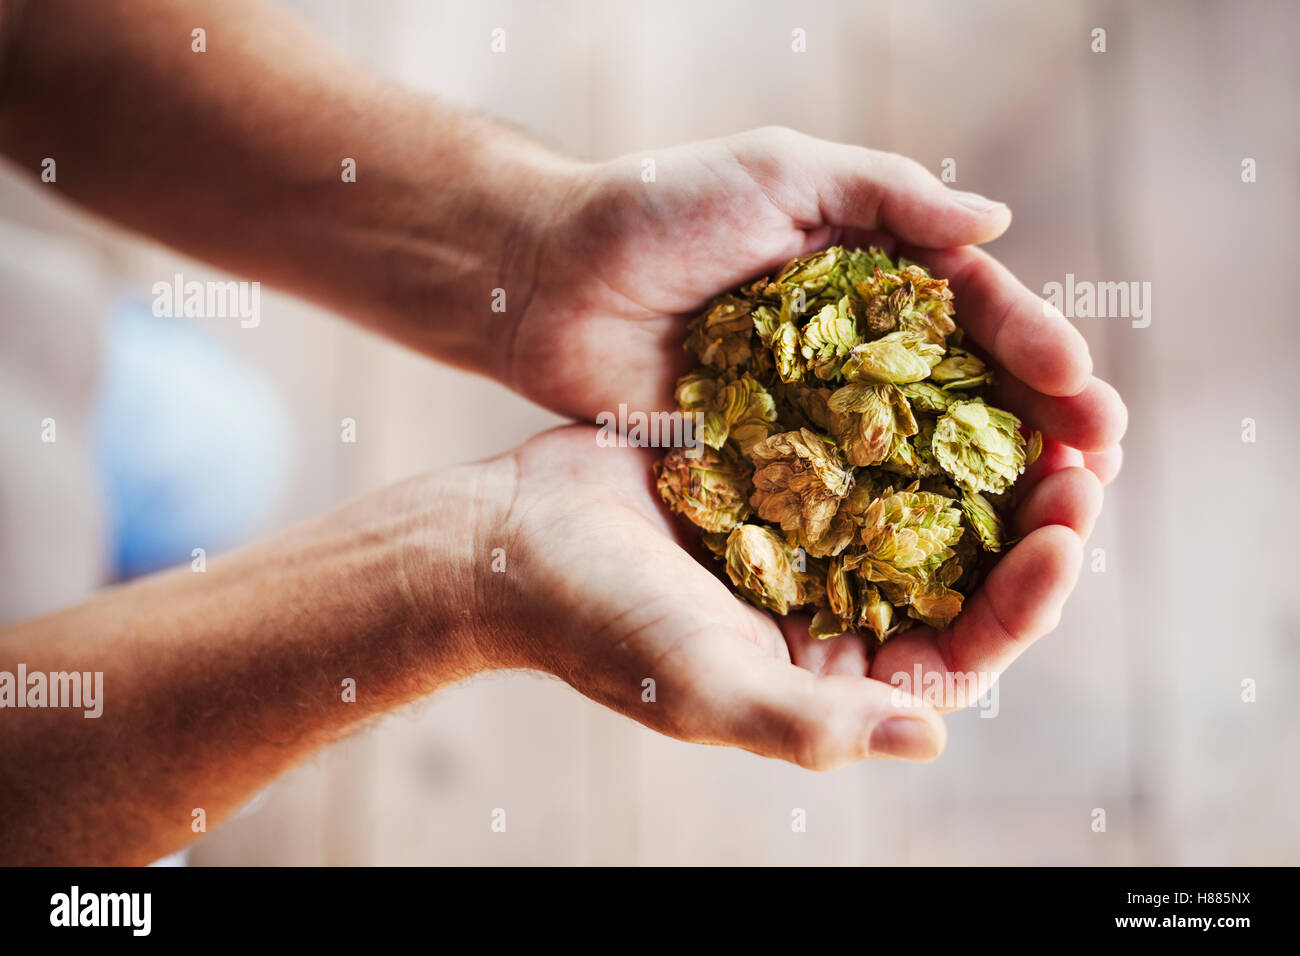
447 237
525 196
459 563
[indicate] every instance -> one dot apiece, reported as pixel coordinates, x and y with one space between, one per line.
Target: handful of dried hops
850 461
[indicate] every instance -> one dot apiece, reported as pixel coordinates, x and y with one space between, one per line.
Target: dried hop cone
847 459
712 488
762 567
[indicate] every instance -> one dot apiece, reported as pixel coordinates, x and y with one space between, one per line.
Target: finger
818 722
1070 497
1094 420
1019 603
842 654
1054 457
912 662
1021 600
852 186
1105 464
1025 335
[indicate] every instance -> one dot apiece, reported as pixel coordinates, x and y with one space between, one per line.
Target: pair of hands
601 588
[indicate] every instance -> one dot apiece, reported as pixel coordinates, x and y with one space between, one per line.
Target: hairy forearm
215 682
235 155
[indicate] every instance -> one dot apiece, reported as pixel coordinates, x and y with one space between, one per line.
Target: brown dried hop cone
852 463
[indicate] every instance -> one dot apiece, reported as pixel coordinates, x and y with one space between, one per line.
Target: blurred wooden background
1120 166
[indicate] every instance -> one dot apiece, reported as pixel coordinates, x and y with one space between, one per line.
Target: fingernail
907 738
974 201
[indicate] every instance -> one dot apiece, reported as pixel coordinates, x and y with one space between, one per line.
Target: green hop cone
898 358
799 480
839 590
927 397
722 337
911 530
983 519
811 274
934 604
961 370
696 395
826 623
876 614
742 410
910 300
820 391
761 566
711 489
866 418
749 411
828 338
846 525
979 446
787 353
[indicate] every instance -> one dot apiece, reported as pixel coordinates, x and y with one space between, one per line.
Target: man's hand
601 590
629 261
620 602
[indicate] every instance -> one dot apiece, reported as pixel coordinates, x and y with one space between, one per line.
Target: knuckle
911 170
811 745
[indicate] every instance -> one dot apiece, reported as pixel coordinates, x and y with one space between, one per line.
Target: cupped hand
637 249
601 588
612 597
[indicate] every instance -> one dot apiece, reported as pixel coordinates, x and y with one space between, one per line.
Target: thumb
856 187
779 710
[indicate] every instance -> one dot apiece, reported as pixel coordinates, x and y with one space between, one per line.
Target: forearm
235 156
215 682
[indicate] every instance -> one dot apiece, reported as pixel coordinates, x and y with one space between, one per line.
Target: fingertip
936 222
983 219
1092 421
1027 589
1106 464
1021 600
1112 415
916 206
1001 222
1071 497
1059 548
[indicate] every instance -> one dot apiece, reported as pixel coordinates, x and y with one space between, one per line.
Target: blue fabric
194 448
